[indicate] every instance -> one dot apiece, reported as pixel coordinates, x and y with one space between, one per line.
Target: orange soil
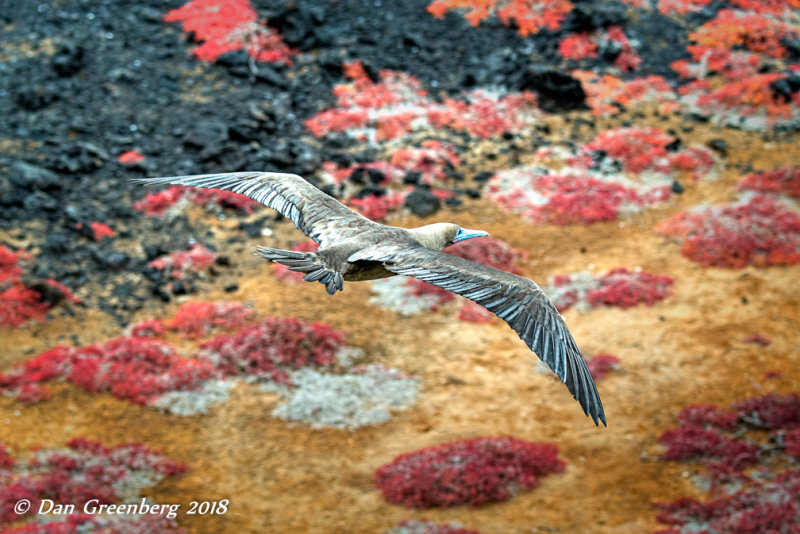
478 380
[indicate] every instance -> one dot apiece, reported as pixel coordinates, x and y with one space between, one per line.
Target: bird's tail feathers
305 262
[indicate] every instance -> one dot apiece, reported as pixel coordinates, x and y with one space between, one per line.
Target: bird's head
441 235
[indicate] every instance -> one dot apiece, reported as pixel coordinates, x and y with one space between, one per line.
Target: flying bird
354 248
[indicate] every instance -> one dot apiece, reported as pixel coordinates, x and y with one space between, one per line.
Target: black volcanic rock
557 91
719 145
103 78
33 178
34 98
784 88
69 59
207 135
422 203
588 17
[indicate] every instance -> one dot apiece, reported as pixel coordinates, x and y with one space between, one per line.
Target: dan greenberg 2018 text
95 507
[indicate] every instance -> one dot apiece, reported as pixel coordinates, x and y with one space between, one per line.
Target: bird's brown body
435 237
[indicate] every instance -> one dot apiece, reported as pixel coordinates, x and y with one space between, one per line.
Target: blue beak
466 233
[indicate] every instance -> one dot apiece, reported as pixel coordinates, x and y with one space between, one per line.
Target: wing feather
517 300
316 214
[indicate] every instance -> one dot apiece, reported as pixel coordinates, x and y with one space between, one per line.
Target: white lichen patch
187 403
347 401
392 293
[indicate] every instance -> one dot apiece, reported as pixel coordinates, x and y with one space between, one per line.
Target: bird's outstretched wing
516 300
316 214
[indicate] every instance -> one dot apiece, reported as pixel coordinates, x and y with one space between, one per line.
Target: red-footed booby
354 248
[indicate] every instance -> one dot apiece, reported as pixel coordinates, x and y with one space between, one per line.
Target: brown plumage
354 248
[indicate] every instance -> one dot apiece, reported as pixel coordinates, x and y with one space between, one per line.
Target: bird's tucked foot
305 262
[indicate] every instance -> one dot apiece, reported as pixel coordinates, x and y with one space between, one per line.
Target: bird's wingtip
600 418
596 411
148 181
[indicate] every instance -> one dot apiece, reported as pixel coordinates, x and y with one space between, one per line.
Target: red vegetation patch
85 470
32 393
491 252
620 287
131 157
569 198
396 105
430 163
20 305
484 114
755 31
180 262
641 4
228 25
148 328
579 46
681 7
136 369
732 76
198 319
380 172
223 199
741 46
760 231
624 289
475 472
6 460
779 181
10 268
431 160
607 94
774 7
770 411
63 291
729 442
99 231
635 149
474 313
272 347
621 171
378 207
150 371
758 339
759 507
600 365
627 59
708 415
120 524
359 104
156 204
747 97
691 442
529 17
732 65
791 441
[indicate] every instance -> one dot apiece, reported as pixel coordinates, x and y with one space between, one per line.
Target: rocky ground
81 85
